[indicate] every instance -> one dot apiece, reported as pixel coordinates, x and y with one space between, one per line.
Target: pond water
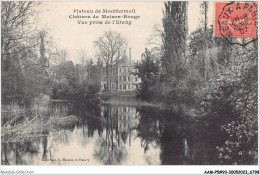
119 135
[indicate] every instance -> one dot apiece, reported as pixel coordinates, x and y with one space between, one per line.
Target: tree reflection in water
149 128
180 140
44 145
4 152
108 152
13 153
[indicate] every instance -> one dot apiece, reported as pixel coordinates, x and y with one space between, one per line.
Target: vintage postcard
129 83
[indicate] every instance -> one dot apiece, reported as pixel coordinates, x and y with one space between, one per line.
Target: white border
124 169
162 169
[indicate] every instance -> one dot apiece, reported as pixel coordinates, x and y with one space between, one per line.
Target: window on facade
128 78
120 78
124 87
124 78
135 78
135 71
129 86
112 86
120 87
124 69
120 70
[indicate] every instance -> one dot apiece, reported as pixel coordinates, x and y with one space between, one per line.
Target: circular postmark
236 20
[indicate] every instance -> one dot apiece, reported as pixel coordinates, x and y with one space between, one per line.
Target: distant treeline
76 81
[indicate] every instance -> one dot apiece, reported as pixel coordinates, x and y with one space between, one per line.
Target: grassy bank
21 125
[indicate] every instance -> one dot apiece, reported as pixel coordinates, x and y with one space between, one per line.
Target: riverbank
129 98
125 98
24 128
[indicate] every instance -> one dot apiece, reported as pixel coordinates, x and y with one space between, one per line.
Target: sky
77 38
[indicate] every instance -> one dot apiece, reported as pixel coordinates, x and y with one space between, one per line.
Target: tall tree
204 11
111 45
18 33
19 44
175 28
149 72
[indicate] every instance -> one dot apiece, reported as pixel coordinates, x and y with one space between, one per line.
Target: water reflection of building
122 119
127 119
118 123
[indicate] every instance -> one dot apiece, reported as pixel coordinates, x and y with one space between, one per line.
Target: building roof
125 60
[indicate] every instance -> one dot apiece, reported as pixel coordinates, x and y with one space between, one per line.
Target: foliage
12 81
175 33
76 82
173 81
234 100
148 71
23 53
31 65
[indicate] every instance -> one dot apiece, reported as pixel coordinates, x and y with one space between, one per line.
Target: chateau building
123 77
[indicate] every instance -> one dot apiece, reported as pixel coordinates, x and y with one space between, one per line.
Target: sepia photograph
129 83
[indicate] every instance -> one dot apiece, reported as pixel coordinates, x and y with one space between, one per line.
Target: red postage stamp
236 19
